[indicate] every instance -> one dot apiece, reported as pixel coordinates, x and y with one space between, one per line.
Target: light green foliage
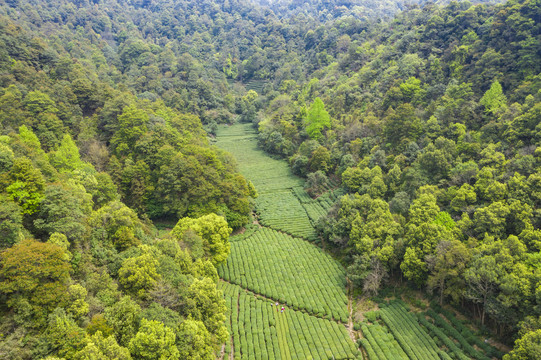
317 119
527 347
6 158
61 240
123 318
100 347
320 160
289 270
63 336
194 341
117 224
206 303
288 335
214 232
204 268
27 185
494 100
132 125
138 275
154 341
66 158
36 272
76 306
447 269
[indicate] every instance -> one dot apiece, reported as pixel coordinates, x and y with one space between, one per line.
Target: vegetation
260 329
289 270
397 333
417 133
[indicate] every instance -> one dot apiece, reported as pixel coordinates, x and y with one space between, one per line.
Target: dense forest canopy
429 118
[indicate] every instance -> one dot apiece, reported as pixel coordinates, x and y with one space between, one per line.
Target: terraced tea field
289 270
260 330
400 334
275 263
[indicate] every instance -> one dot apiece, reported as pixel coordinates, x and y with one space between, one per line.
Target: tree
317 119
494 100
123 317
204 302
316 183
66 158
63 336
402 126
320 160
11 223
100 347
447 269
64 209
36 272
482 279
117 224
138 275
27 185
194 341
132 124
214 232
154 341
76 306
527 347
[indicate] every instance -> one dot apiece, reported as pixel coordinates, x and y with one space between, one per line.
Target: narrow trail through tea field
277 261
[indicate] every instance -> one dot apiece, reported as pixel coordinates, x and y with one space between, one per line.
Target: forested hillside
116 208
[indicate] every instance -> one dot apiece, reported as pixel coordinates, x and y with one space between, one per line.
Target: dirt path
351 330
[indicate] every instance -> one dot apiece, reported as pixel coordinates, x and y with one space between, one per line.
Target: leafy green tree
36 272
320 160
447 269
491 219
66 158
116 224
153 341
204 302
132 124
316 183
6 158
214 232
64 210
482 279
100 347
138 275
61 240
124 317
63 336
402 126
27 185
317 119
11 223
194 341
76 306
527 347
494 100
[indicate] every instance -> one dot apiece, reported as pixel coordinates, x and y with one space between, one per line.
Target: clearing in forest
276 264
